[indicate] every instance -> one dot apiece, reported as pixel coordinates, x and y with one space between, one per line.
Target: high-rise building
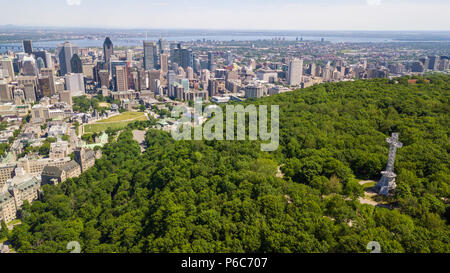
50 73
171 79
213 87
211 61
30 92
65 53
417 67
7 65
108 51
229 58
142 80
45 86
88 70
19 97
312 69
65 96
76 64
433 62
6 94
327 71
190 73
164 64
121 78
104 78
75 83
196 62
27 46
254 91
444 64
162 46
40 63
29 67
48 60
153 76
150 55
177 91
46 57
425 61
182 56
295 72
129 56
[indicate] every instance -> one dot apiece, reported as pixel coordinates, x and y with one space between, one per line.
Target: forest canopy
228 196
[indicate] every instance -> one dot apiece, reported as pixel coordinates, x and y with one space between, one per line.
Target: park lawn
117 122
101 127
135 116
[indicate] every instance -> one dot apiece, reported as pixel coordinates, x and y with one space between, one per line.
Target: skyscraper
153 76
104 78
75 83
425 61
75 64
7 65
30 92
295 72
196 63
171 79
108 50
121 78
40 63
211 61
27 46
162 45
229 58
150 55
142 80
50 73
434 62
129 56
65 96
42 55
5 91
190 73
65 53
29 67
45 86
164 64
183 57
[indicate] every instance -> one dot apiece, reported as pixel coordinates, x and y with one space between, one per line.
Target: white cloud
73 2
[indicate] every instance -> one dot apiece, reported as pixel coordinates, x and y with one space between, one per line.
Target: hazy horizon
215 29
319 15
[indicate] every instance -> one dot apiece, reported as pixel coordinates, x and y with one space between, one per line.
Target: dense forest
228 196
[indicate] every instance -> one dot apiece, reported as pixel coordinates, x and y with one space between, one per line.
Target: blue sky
232 14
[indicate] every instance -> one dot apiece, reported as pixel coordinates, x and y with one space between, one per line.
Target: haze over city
233 14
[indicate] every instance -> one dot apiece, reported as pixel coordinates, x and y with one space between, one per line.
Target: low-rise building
12 195
55 175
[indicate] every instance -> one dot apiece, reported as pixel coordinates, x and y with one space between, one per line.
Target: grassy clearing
99 127
117 122
125 117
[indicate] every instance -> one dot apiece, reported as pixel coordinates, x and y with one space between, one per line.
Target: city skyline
365 15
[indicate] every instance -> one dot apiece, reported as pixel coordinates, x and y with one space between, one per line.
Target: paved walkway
139 136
